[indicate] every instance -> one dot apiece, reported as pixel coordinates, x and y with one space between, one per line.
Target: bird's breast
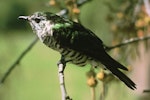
70 55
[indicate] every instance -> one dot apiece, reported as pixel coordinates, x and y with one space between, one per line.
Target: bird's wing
80 39
76 37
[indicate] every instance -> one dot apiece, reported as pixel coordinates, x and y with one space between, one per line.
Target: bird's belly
74 57
70 55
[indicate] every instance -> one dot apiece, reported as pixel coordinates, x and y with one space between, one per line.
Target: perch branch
61 67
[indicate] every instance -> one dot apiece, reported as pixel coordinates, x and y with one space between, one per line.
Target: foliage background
35 78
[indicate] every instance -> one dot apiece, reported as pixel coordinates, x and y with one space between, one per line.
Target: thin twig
132 40
18 60
102 94
146 91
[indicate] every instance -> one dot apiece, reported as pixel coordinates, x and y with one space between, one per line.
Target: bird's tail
113 66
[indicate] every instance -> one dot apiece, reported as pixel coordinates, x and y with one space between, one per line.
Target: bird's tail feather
123 78
113 66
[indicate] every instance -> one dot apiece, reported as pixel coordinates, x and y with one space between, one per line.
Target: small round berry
92 82
100 75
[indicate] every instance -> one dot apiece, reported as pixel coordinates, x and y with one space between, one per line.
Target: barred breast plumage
70 55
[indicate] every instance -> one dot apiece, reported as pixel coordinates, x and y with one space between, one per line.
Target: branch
61 67
132 40
18 60
146 91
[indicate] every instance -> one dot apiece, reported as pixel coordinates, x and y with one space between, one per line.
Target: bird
76 44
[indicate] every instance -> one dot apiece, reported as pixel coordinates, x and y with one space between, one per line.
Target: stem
93 93
61 67
102 95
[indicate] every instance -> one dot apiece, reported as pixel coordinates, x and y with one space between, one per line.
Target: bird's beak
24 18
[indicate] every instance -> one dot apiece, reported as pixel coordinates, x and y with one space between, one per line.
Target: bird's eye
37 20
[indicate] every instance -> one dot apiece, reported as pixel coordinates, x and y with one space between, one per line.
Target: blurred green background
36 78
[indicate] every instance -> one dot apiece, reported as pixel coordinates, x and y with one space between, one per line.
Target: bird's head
39 20
42 23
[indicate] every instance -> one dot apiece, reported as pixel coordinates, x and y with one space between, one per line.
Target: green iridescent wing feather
76 37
